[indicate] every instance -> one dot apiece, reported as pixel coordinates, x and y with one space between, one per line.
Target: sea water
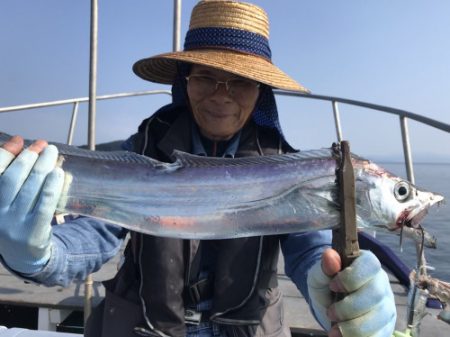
435 178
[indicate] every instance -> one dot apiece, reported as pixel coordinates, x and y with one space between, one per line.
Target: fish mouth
413 217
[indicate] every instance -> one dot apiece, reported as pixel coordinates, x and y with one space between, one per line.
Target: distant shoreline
415 163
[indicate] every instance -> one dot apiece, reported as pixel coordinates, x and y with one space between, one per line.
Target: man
223 105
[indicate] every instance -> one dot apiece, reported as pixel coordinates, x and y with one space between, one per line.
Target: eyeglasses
236 87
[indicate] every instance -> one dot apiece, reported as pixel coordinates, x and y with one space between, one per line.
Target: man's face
220 113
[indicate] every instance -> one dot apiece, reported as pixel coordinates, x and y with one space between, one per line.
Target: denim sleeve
79 247
301 251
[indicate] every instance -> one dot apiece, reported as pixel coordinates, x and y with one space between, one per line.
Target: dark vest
158 273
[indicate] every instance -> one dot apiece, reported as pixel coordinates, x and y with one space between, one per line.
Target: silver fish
217 198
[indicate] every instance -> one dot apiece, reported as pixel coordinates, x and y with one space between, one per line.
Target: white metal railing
402 114
76 102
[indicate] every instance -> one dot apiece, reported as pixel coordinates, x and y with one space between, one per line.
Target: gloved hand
368 309
30 186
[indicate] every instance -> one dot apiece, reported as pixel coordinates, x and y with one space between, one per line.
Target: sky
392 53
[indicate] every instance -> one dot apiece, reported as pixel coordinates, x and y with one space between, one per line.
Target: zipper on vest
187 256
214 149
141 330
255 281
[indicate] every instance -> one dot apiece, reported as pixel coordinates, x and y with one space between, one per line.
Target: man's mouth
219 113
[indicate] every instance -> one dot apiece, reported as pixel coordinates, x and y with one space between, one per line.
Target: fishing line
401 239
422 268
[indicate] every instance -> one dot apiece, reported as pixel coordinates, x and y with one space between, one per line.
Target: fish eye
402 190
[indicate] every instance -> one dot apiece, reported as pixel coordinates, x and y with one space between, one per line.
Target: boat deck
32 306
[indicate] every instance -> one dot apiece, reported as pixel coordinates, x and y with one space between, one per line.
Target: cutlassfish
216 198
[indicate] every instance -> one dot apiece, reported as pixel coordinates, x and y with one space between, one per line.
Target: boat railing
402 114
75 102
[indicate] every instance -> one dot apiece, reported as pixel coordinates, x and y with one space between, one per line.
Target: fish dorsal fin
118 156
191 160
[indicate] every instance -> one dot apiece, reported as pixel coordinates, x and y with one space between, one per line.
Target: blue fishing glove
30 186
368 309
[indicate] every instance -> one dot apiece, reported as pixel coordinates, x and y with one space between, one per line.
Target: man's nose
221 91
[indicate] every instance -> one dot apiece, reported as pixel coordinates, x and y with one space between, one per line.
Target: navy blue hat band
228 38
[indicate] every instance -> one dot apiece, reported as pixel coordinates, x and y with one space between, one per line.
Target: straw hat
226 35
